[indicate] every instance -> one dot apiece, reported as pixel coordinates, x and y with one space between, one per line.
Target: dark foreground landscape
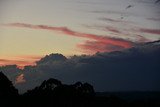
52 93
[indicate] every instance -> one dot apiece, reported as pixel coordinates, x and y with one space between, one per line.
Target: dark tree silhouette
45 89
87 88
6 86
54 87
50 84
52 93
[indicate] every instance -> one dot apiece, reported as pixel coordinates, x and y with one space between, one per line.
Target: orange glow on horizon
20 61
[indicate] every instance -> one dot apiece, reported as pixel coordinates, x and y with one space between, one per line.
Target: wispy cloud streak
110 20
98 46
153 19
19 63
98 38
151 31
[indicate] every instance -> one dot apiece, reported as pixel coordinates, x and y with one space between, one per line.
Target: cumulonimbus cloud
97 38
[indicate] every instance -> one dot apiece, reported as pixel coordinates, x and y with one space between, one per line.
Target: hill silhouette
53 93
6 87
54 87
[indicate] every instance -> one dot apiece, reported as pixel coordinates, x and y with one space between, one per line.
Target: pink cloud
20 79
30 57
91 47
151 31
98 39
19 63
142 39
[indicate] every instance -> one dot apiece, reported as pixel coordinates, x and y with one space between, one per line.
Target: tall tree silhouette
6 86
54 87
50 84
45 89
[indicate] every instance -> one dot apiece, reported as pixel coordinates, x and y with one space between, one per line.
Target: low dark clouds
157 1
135 69
12 71
153 19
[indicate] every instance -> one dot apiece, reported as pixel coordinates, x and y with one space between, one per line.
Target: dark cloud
12 71
51 58
110 20
129 6
153 19
134 69
112 29
118 20
157 1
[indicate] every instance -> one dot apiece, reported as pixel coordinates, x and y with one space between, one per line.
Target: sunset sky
30 29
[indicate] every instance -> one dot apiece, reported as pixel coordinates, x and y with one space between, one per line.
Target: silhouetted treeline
52 93
6 86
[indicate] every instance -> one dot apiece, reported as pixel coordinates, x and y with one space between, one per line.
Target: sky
30 29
